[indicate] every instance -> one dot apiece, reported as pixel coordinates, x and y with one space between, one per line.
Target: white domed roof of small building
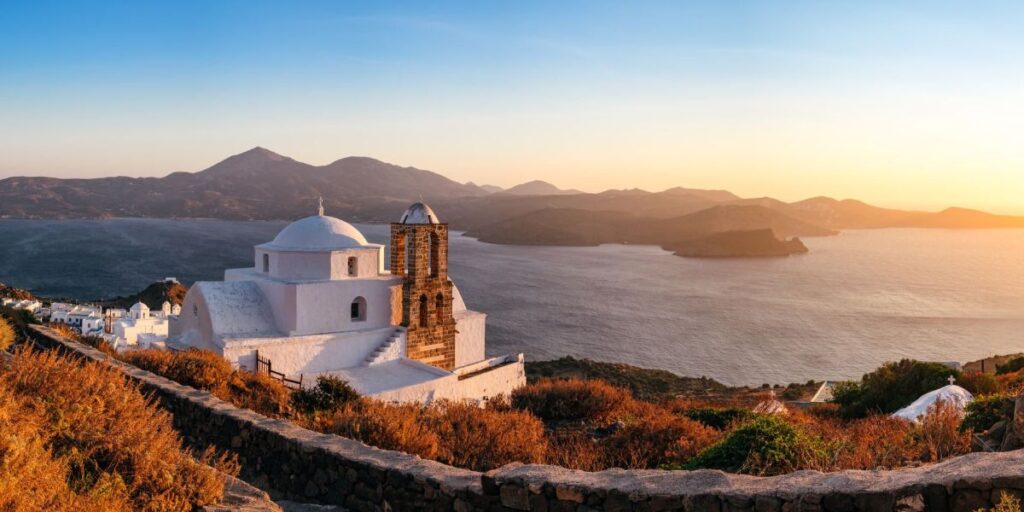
419 213
317 233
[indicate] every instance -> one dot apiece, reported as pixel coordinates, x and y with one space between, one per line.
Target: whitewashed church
319 300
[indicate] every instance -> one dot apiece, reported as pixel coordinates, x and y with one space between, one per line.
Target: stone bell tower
419 253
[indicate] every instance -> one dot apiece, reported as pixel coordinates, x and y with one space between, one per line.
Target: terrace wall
291 462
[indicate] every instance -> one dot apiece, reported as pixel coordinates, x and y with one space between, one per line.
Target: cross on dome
951 380
320 208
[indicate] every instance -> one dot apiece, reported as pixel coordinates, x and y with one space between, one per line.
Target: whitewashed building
140 328
319 300
78 316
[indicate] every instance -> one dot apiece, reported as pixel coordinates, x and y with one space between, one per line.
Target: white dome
419 213
317 233
953 394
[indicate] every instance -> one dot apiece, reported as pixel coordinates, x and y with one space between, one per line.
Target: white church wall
299 266
298 355
470 330
193 326
499 380
366 263
326 306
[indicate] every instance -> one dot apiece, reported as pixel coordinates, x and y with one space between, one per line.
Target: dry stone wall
291 462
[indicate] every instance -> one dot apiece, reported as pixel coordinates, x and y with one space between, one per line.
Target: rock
515 497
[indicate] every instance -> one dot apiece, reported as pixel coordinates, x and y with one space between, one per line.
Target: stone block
767 504
967 500
567 493
515 497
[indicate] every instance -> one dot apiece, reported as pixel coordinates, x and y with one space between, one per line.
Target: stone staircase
390 350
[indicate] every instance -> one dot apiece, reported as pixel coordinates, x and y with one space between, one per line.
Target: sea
855 301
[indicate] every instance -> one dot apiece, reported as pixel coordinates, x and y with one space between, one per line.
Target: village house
139 327
320 300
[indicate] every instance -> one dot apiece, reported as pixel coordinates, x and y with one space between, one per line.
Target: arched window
266 263
439 308
353 266
435 254
358 312
424 314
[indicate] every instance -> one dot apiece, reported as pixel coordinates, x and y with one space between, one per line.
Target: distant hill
256 184
152 296
10 292
538 188
490 189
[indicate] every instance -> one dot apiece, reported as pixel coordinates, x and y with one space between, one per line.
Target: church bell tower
419 253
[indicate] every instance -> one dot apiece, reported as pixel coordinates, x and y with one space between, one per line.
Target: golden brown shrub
483 439
6 334
109 444
261 393
657 439
571 399
208 371
939 433
391 427
575 450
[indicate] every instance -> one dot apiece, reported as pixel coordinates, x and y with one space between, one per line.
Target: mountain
256 184
720 196
490 189
261 184
538 188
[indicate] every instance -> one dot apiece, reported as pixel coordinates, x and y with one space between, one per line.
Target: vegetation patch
81 437
890 387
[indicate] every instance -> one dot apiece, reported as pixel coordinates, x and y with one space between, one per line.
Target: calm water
857 300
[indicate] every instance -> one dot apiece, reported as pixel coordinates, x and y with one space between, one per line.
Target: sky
902 104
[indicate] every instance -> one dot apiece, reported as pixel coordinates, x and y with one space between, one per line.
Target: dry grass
939 434
81 437
205 370
570 399
569 423
6 334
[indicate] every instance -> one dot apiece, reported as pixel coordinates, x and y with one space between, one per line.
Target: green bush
890 387
766 445
717 418
330 393
985 411
1013 365
6 334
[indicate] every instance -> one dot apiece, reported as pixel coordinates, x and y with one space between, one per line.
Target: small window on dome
266 263
353 266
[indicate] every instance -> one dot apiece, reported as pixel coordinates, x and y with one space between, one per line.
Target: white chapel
320 300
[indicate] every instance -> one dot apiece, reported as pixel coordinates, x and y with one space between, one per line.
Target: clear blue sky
915 104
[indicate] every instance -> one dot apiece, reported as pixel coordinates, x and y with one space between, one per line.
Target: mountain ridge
259 184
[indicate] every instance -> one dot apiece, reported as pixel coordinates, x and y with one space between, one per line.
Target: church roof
237 308
317 233
953 394
419 213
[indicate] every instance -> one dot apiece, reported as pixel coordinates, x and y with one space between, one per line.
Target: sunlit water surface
855 301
